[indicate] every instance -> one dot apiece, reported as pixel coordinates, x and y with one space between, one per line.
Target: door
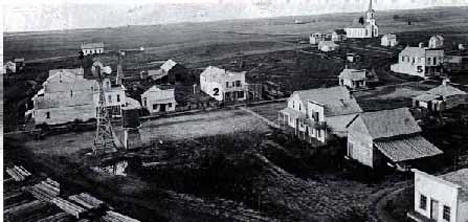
162 108
434 209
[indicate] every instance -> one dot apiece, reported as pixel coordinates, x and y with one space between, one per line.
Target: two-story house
441 198
419 61
317 113
387 138
223 85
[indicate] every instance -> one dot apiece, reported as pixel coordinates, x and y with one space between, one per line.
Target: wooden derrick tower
103 140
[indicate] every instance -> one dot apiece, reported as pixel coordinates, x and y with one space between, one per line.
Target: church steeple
370 13
370 9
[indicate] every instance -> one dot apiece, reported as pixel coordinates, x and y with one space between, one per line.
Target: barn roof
460 178
390 123
353 74
443 90
407 148
389 36
336 100
92 45
168 65
156 74
340 31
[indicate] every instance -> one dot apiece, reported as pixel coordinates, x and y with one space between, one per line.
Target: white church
367 30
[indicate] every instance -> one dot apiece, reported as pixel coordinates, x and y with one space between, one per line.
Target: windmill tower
103 140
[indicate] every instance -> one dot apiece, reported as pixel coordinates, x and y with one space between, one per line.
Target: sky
39 15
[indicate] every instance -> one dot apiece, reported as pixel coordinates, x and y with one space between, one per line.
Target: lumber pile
23 208
62 216
87 201
112 216
18 173
45 190
68 207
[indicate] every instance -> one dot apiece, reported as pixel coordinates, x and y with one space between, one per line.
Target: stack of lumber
23 208
18 173
55 218
68 207
86 200
45 190
112 216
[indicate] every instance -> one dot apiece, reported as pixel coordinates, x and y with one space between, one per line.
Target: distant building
367 30
327 46
174 71
223 85
316 38
67 96
352 57
19 62
157 99
441 98
436 42
353 78
9 67
92 48
419 61
455 63
338 35
387 137
389 40
317 113
441 198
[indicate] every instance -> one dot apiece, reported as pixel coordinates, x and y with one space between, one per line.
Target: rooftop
92 45
443 90
336 100
407 148
390 123
353 74
460 178
215 74
168 65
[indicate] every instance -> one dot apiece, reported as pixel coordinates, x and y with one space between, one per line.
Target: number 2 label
216 92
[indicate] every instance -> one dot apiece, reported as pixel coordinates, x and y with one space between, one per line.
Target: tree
361 20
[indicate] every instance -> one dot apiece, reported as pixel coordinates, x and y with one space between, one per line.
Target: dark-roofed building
419 61
338 35
315 113
441 98
440 198
387 137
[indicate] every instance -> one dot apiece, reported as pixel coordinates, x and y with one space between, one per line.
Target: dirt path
376 209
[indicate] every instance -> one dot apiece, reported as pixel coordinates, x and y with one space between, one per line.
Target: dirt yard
201 125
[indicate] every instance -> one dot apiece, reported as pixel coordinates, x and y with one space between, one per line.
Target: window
446 213
414 60
240 94
429 60
300 107
118 98
71 93
315 116
238 83
169 105
48 115
144 101
423 202
350 149
227 84
109 97
155 106
319 133
435 60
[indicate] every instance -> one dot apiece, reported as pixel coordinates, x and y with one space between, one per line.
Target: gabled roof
443 90
460 178
18 60
168 65
215 74
336 100
390 123
414 51
92 45
353 74
156 74
389 36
